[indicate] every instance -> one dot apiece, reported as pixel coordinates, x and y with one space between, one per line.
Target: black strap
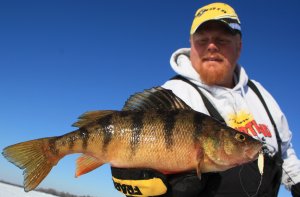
210 108
257 92
214 113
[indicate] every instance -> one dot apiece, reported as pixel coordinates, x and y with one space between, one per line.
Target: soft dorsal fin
91 116
155 98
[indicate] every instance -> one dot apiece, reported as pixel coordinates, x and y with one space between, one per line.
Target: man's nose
212 47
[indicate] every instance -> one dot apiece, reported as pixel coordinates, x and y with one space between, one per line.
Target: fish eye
240 137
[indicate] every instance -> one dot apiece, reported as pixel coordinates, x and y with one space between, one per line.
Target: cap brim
226 26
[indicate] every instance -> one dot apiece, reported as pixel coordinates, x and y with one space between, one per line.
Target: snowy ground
13 191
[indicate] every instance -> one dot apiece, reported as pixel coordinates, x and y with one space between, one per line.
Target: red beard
214 74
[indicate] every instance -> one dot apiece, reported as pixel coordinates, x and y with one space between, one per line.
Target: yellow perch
154 130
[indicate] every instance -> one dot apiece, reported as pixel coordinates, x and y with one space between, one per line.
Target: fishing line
260 165
260 182
241 182
291 179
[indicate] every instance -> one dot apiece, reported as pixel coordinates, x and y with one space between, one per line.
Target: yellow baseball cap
216 11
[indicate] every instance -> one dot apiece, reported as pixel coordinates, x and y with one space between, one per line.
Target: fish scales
107 130
125 129
153 140
136 129
91 138
169 120
84 136
139 135
171 138
140 140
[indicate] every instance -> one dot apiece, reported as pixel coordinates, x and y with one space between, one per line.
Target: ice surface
14 191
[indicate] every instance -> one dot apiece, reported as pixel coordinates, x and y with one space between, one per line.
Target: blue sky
59 59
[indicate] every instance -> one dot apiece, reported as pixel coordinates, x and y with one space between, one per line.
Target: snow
10 190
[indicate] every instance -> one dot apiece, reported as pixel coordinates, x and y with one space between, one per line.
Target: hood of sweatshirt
181 64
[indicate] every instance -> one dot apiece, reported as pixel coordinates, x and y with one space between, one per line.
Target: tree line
48 191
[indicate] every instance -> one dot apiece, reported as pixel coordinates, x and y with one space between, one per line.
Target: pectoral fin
86 164
198 170
200 161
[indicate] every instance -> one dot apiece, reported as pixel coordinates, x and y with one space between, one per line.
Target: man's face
214 53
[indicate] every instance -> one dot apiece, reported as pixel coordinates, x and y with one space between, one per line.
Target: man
211 81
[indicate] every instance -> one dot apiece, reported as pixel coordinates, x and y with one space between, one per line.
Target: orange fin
91 116
200 161
32 157
168 172
86 164
198 170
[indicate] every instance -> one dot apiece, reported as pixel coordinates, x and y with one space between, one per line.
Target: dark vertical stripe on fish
169 120
198 125
71 140
107 128
52 146
136 128
84 136
125 113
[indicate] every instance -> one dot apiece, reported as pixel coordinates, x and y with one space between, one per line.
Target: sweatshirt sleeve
291 164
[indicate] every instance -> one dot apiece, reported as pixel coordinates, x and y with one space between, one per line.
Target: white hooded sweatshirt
240 108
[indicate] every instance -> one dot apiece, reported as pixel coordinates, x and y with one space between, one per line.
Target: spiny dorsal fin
91 116
155 98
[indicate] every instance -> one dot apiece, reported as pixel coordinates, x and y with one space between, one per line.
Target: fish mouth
247 158
252 153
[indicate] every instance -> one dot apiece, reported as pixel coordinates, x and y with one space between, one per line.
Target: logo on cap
213 8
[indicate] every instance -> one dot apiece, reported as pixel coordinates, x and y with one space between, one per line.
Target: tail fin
33 158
